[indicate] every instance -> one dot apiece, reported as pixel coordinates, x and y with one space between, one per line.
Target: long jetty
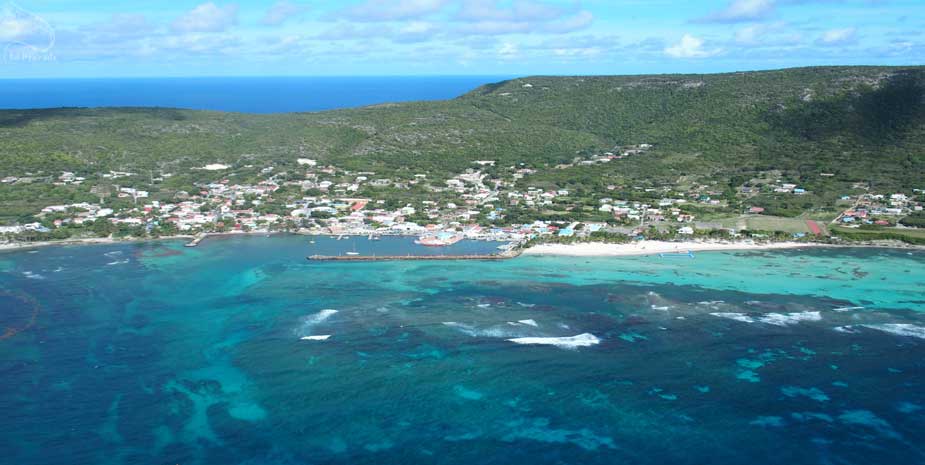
386 258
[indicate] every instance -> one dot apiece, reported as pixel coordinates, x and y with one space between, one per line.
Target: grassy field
913 233
770 223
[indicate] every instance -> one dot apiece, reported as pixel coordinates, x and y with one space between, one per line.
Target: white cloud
15 29
120 28
838 36
417 27
751 35
410 32
764 34
690 47
577 52
491 28
508 50
351 31
742 10
584 42
207 17
22 27
286 44
281 12
493 17
393 10
201 44
575 23
519 10
416 31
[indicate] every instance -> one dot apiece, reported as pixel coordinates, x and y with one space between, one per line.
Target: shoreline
645 248
582 249
16 246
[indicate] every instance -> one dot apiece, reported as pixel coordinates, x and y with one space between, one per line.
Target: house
756 210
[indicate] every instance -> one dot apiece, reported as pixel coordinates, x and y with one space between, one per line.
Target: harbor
366 248
400 248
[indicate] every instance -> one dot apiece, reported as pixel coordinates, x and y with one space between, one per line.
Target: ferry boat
439 240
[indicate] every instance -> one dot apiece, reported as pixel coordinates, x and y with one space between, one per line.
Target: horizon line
437 75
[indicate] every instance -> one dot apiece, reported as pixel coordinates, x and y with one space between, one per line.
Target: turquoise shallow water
154 353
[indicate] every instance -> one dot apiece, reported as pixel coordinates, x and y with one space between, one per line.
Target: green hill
862 124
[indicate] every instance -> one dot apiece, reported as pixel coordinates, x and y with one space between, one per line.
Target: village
319 199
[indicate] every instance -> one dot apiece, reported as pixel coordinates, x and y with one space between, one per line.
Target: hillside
862 124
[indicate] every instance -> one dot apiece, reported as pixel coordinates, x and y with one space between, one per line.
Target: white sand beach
598 249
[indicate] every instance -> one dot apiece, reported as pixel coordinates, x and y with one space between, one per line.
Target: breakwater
386 258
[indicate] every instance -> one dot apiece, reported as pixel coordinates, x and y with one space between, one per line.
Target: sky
158 38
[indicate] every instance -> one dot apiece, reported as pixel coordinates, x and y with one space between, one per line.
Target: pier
387 258
196 240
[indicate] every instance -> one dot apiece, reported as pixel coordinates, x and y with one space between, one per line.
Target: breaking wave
493 331
900 329
735 316
847 309
776 319
310 321
786 319
573 342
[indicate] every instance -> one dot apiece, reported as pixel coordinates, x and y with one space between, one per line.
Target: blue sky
107 38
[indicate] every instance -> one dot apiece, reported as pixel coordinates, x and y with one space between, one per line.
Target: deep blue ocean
247 95
241 351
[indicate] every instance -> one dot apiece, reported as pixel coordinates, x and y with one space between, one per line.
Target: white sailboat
354 253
